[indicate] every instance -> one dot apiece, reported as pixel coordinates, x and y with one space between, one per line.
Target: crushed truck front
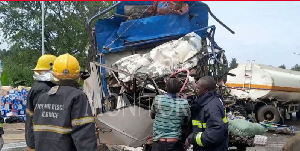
135 51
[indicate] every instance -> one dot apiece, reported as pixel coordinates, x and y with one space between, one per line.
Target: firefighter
209 122
1 132
63 119
43 77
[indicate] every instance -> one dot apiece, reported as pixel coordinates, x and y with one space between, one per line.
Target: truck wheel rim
269 116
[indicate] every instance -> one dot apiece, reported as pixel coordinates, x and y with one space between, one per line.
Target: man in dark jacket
63 119
42 76
1 132
210 125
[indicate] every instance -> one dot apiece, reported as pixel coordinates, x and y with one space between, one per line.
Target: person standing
170 113
209 122
43 77
63 119
1 132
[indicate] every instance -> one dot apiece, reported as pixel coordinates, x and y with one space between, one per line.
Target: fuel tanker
271 93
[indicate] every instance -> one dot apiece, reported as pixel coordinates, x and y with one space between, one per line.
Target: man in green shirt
170 113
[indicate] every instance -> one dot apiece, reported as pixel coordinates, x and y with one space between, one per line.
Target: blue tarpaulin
117 34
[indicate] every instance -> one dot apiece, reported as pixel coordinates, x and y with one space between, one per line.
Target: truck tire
268 113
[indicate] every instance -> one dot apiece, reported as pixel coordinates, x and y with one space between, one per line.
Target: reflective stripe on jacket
63 121
1 126
210 125
38 88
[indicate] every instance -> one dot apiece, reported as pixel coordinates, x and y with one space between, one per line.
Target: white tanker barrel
276 90
257 81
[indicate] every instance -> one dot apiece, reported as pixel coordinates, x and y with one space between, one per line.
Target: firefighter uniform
1 132
210 125
44 64
36 90
63 119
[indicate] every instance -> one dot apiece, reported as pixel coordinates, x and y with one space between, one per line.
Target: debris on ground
260 140
244 128
243 133
279 129
235 140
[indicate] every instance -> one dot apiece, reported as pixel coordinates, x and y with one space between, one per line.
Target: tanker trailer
271 93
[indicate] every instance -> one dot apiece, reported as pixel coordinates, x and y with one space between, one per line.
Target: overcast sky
267 32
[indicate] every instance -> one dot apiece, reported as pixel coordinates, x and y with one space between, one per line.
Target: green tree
18 65
296 67
65 32
233 64
282 66
4 79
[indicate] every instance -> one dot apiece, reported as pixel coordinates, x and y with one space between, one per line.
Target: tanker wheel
268 113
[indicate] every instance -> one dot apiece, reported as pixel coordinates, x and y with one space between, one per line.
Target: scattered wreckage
136 50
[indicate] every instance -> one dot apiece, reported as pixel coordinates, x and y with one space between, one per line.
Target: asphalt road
275 142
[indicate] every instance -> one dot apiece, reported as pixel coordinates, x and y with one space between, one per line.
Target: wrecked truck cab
135 51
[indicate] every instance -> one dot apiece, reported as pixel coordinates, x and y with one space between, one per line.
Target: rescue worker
209 122
1 132
43 77
170 113
63 119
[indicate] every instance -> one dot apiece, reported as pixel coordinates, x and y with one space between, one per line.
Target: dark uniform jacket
63 121
36 90
1 125
210 125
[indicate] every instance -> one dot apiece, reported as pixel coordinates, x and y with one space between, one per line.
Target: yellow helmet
45 62
66 67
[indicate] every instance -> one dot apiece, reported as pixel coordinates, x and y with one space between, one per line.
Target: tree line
65 32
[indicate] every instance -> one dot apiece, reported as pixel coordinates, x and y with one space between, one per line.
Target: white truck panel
264 82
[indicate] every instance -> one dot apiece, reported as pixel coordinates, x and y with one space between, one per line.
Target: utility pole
43 16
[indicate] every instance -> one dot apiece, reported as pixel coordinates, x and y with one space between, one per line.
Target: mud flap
129 126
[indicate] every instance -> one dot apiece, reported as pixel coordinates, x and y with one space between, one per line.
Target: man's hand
188 140
187 144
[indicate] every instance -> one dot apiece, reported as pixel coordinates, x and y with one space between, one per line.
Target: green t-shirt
169 116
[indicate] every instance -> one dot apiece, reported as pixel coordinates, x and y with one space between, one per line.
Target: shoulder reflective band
1 125
82 121
30 113
199 124
225 118
198 139
203 125
52 128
